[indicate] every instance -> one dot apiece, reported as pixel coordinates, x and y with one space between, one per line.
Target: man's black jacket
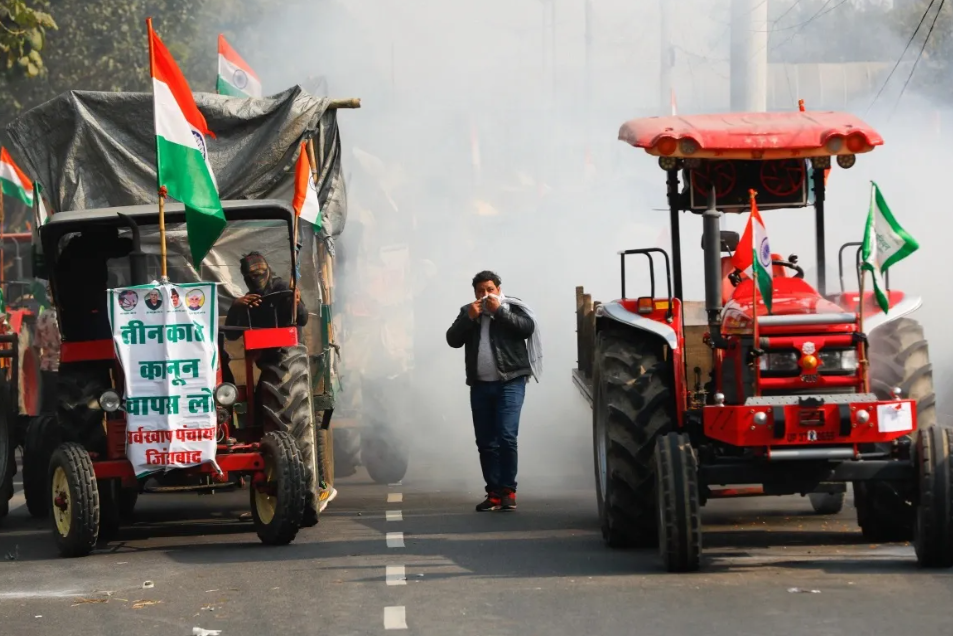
509 329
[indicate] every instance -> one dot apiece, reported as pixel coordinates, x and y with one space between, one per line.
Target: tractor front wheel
933 536
278 503
285 385
73 500
633 406
679 508
384 454
899 357
827 503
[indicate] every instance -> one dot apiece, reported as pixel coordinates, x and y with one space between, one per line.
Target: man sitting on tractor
263 306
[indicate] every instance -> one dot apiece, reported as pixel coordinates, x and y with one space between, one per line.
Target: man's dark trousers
496 410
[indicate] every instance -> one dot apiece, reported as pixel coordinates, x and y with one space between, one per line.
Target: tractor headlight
784 361
109 401
845 360
226 394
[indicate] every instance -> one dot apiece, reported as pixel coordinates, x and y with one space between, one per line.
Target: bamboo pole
162 249
864 363
351 102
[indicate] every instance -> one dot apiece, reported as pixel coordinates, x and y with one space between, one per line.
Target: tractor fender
614 311
908 305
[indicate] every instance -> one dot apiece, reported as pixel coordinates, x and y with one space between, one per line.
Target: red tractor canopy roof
752 135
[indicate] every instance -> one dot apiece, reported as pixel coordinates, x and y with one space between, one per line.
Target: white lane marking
395 617
395 497
395 515
395 575
395 539
396 483
26 595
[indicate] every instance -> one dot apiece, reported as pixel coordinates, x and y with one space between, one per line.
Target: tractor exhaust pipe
711 241
711 232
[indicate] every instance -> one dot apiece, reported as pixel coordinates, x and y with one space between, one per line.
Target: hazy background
557 196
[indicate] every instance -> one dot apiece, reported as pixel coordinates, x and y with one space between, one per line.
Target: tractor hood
790 296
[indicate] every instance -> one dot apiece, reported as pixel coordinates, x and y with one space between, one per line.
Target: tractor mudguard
908 305
614 310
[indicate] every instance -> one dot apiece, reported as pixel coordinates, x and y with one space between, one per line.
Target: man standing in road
494 331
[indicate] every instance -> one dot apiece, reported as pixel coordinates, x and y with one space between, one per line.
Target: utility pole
749 55
588 70
667 53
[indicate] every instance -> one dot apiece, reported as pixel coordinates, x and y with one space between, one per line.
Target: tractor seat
728 290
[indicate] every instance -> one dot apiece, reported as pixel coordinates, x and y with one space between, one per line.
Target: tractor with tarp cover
22 384
687 406
274 398
265 430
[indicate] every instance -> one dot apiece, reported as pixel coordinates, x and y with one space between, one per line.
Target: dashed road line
395 497
394 515
395 617
395 575
395 539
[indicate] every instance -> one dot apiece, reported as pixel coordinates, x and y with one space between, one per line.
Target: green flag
885 243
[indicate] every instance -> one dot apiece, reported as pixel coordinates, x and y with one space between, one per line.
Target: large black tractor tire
285 383
7 464
633 405
679 507
899 357
347 451
278 511
384 453
827 503
933 537
116 507
42 439
79 386
74 500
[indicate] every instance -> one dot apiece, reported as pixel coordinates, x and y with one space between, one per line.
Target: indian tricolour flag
235 76
181 153
753 256
14 181
885 244
305 203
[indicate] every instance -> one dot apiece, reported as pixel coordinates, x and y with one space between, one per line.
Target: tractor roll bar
647 252
840 265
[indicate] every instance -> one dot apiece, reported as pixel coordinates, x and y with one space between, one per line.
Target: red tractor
686 405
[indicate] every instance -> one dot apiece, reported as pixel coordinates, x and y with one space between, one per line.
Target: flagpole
864 364
163 191
754 306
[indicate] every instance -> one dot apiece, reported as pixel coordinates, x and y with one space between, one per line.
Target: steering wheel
791 264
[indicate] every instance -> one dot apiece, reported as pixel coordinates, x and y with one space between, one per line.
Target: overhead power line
913 36
919 55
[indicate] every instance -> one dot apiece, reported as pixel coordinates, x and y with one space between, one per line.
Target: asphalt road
439 568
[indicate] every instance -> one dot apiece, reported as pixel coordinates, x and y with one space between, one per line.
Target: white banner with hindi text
166 339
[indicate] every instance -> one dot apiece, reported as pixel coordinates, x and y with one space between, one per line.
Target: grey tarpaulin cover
95 149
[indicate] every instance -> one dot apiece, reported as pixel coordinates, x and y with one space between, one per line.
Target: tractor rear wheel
679 508
934 525
827 503
287 406
899 357
633 405
73 500
278 505
42 439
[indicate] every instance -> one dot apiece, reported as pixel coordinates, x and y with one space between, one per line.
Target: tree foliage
22 35
101 45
